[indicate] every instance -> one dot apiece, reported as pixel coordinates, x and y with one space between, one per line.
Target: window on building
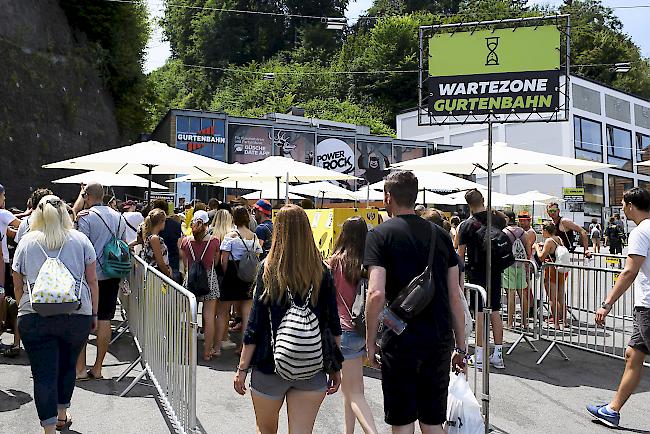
618 185
642 152
644 184
588 139
619 148
594 185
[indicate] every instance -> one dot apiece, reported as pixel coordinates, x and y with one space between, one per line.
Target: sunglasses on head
54 202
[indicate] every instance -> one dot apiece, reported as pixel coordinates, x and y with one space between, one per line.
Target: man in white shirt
636 206
133 220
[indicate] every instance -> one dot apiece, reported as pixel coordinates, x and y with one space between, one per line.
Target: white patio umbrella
152 158
324 190
368 194
505 160
498 199
535 196
109 179
271 194
437 181
281 168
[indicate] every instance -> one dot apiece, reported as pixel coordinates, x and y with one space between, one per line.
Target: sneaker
600 412
200 336
228 345
496 360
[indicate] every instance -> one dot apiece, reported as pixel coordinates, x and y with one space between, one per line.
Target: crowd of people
306 322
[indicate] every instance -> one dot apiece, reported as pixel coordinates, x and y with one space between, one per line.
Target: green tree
118 35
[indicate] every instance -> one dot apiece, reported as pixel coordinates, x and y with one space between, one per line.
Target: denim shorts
272 386
352 344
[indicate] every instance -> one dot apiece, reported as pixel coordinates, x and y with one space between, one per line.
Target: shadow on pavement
108 386
13 400
583 368
621 428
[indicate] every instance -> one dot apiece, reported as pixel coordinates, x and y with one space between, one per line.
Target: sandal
63 424
215 353
90 376
11 352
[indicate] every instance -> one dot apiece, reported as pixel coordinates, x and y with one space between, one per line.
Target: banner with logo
373 161
294 144
249 143
336 153
499 71
204 136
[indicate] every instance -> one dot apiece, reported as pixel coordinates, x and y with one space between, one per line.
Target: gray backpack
247 265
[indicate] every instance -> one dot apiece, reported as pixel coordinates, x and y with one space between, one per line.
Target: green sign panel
521 49
499 71
574 195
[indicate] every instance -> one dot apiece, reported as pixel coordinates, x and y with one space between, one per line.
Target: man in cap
264 230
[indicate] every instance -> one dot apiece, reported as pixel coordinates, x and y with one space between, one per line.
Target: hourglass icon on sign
492 57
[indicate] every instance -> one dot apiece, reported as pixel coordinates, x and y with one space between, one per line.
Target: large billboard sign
506 71
373 161
336 153
294 144
249 143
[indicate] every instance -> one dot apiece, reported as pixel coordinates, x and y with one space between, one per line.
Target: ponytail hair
153 219
50 223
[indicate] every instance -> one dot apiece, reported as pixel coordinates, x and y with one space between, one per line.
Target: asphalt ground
524 398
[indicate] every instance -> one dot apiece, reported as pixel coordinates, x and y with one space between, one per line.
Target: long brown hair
293 262
348 252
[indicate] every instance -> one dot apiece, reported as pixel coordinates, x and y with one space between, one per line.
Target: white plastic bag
463 410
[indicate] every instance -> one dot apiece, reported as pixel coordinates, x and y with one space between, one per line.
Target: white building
604 125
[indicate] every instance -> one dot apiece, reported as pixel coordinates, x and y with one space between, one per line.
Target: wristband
460 351
94 315
247 370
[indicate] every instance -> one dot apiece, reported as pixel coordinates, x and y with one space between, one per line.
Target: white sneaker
474 361
228 345
496 360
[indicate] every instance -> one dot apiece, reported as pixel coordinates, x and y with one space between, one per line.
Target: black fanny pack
417 295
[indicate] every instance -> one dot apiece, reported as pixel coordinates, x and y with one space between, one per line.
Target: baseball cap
2 188
128 204
263 206
201 215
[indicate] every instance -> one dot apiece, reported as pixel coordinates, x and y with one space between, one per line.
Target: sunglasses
56 203
553 209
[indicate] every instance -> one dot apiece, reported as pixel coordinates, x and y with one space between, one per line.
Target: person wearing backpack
514 279
554 277
346 264
56 284
594 235
240 250
106 230
471 247
614 237
292 340
201 255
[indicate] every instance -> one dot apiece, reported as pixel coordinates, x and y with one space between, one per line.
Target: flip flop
90 376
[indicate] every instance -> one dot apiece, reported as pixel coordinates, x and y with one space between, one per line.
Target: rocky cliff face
53 104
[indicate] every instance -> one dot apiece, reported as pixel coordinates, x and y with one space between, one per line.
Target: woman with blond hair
347 267
154 250
54 342
293 277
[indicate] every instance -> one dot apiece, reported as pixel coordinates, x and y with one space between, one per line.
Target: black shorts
640 339
494 296
9 282
415 385
232 287
108 290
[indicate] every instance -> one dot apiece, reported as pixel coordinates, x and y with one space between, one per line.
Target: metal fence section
598 260
163 321
571 295
477 291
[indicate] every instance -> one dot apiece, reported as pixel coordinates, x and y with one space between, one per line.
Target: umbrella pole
368 196
424 196
488 278
277 187
149 188
286 200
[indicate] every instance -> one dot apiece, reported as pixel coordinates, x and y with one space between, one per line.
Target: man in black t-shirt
469 247
415 363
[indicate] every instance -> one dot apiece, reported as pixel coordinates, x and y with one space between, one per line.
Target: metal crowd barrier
485 378
522 320
599 260
571 299
163 322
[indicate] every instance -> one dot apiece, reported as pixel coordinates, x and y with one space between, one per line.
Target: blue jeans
53 344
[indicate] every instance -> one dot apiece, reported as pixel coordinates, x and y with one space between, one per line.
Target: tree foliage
117 35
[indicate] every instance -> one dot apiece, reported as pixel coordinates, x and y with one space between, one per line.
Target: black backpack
502 256
197 276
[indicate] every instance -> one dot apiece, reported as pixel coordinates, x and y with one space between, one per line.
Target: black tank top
567 237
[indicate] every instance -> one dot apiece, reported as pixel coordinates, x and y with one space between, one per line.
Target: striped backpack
298 345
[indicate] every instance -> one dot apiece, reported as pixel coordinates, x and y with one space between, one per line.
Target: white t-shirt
639 244
134 219
5 218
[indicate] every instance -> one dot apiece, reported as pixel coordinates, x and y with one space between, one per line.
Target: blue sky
635 23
